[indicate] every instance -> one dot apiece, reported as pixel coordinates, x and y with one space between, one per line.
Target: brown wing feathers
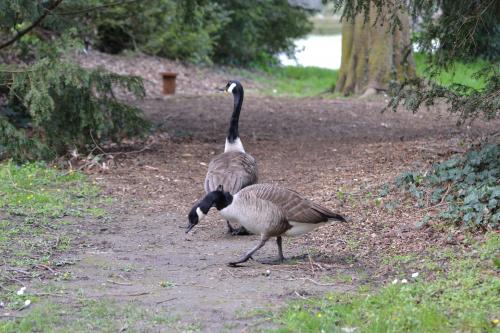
233 170
296 207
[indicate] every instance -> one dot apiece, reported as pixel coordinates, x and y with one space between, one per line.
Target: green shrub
54 105
240 32
467 184
161 27
257 30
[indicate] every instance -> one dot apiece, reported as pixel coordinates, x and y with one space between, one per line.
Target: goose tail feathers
329 215
336 217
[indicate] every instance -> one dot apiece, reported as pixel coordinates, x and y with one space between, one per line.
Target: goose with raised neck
233 141
234 169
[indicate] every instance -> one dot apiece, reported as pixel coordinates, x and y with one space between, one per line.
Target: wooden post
169 83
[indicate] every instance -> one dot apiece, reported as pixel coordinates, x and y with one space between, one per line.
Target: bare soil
337 152
139 254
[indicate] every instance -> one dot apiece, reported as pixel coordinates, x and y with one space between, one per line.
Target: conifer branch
90 9
33 25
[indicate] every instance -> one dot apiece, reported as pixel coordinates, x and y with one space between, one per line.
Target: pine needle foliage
466 102
58 105
48 104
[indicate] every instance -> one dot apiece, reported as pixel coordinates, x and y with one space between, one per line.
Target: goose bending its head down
267 210
234 169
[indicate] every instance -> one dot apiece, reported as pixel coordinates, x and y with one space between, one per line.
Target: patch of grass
459 73
398 260
36 190
252 313
128 268
339 277
296 81
166 284
353 244
33 199
461 298
94 316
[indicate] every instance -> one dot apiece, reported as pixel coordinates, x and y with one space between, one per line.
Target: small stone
404 281
395 281
21 291
414 275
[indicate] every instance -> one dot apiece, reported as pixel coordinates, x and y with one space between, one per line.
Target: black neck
216 198
235 118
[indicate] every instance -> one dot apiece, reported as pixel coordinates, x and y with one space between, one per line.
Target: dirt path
140 254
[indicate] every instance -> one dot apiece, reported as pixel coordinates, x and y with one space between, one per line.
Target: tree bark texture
372 54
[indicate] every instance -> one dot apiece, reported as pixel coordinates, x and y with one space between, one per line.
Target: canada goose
265 209
234 169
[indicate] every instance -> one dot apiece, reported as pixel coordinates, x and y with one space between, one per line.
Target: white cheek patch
231 87
201 215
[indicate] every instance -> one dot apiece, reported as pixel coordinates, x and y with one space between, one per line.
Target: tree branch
33 25
90 9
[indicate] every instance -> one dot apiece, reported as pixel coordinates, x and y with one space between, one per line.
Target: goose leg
280 250
241 231
248 255
230 227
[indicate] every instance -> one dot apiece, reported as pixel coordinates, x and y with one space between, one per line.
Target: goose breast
233 170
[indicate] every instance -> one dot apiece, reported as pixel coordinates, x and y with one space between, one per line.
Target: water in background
316 50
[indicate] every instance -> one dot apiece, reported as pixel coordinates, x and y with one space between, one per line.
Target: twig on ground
11 278
311 263
50 294
232 274
6 289
167 300
13 269
46 267
7 315
14 185
299 295
95 143
435 206
318 283
119 283
129 295
445 194
194 285
56 243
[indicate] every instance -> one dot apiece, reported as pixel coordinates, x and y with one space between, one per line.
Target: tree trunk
372 55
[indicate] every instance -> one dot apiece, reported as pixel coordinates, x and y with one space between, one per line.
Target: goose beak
189 227
222 90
